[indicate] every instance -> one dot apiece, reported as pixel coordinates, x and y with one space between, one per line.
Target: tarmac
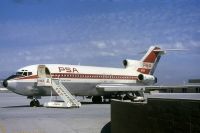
17 117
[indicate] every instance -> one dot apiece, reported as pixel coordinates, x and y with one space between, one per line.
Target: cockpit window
24 73
29 73
19 73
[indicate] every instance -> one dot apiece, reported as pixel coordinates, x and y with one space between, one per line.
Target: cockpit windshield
24 73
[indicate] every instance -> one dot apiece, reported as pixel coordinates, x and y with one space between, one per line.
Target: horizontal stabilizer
176 49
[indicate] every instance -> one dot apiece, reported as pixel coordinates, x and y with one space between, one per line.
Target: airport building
193 86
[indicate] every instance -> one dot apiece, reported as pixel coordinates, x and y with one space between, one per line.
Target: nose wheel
34 103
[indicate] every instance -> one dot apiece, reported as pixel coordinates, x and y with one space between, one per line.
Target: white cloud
179 45
195 44
99 44
36 58
32 58
24 53
107 53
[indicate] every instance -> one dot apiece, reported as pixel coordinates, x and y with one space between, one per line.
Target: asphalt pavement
17 117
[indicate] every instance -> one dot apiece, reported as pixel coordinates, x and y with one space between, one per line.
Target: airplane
97 83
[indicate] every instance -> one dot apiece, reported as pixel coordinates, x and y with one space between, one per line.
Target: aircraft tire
126 97
34 103
97 99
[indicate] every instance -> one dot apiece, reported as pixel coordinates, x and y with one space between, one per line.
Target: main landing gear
137 97
97 99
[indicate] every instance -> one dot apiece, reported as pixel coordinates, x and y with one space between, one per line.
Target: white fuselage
79 80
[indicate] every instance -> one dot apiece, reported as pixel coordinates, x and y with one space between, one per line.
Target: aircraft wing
119 88
129 88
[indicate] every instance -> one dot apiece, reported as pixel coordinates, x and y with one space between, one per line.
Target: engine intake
125 63
131 63
147 79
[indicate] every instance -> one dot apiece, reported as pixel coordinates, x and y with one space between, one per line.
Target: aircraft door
44 76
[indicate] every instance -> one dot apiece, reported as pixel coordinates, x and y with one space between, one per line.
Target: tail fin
150 60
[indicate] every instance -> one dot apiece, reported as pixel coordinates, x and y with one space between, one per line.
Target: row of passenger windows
93 76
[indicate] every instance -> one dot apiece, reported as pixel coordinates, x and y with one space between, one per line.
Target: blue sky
100 33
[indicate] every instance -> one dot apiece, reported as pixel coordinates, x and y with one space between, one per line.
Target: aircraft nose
5 83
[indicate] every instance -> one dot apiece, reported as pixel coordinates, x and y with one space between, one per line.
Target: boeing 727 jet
97 83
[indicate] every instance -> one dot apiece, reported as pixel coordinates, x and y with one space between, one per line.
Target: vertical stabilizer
150 60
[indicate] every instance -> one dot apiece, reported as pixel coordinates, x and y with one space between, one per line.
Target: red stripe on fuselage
93 76
27 77
84 76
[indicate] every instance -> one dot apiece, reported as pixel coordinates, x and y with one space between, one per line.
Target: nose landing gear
34 103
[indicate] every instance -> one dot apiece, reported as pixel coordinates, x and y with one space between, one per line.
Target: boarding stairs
62 91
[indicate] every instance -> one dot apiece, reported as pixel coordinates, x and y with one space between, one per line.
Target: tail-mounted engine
131 63
147 79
